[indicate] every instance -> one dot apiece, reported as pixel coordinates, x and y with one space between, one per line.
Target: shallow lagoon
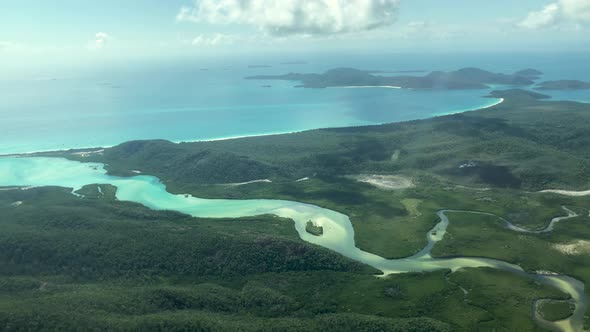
338 231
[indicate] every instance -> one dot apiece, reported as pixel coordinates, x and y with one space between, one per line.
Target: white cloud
100 41
213 40
6 45
292 17
574 12
548 16
579 10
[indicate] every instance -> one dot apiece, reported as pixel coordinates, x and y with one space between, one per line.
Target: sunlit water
338 232
195 99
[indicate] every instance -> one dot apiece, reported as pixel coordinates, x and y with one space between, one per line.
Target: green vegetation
522 144
108 256
97 191
485 236
502 294
556 310
311 228
54 232
73 263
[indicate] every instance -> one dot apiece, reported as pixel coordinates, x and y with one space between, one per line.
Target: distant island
466 78
294 63
563 85
404 71
259 66
529 73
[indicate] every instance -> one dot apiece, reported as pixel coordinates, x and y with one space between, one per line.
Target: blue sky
42 31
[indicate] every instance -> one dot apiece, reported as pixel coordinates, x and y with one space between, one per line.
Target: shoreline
365 87
500 101
90 149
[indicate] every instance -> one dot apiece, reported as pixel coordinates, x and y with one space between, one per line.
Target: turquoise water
180 101
338 232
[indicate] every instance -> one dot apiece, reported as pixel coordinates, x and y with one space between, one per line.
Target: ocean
195 99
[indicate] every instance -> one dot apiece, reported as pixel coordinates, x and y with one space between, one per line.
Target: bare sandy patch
86 154
411 206
246 183
575 248
385 182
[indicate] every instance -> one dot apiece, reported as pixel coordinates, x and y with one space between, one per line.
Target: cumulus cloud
548 16
577 9
562 11
295 17
100 41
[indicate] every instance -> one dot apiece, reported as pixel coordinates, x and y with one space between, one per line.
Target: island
529 73
466 78
294 63
259 66
563 85
313 229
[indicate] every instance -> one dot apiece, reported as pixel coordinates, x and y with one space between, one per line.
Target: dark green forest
92 262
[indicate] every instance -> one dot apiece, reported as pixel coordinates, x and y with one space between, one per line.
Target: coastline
500 101
79 149
365 87
241 136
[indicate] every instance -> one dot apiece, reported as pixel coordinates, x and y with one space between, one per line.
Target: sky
42 32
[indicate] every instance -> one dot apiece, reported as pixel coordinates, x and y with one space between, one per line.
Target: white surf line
85 154
239 136
201 140
15 188
490 106
500 101
302 179
366 87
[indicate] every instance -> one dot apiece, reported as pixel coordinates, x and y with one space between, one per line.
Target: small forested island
466 78
313 229
563 85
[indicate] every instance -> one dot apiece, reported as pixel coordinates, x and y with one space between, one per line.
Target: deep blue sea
196 99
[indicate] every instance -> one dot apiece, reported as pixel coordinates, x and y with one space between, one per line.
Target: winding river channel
338 232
